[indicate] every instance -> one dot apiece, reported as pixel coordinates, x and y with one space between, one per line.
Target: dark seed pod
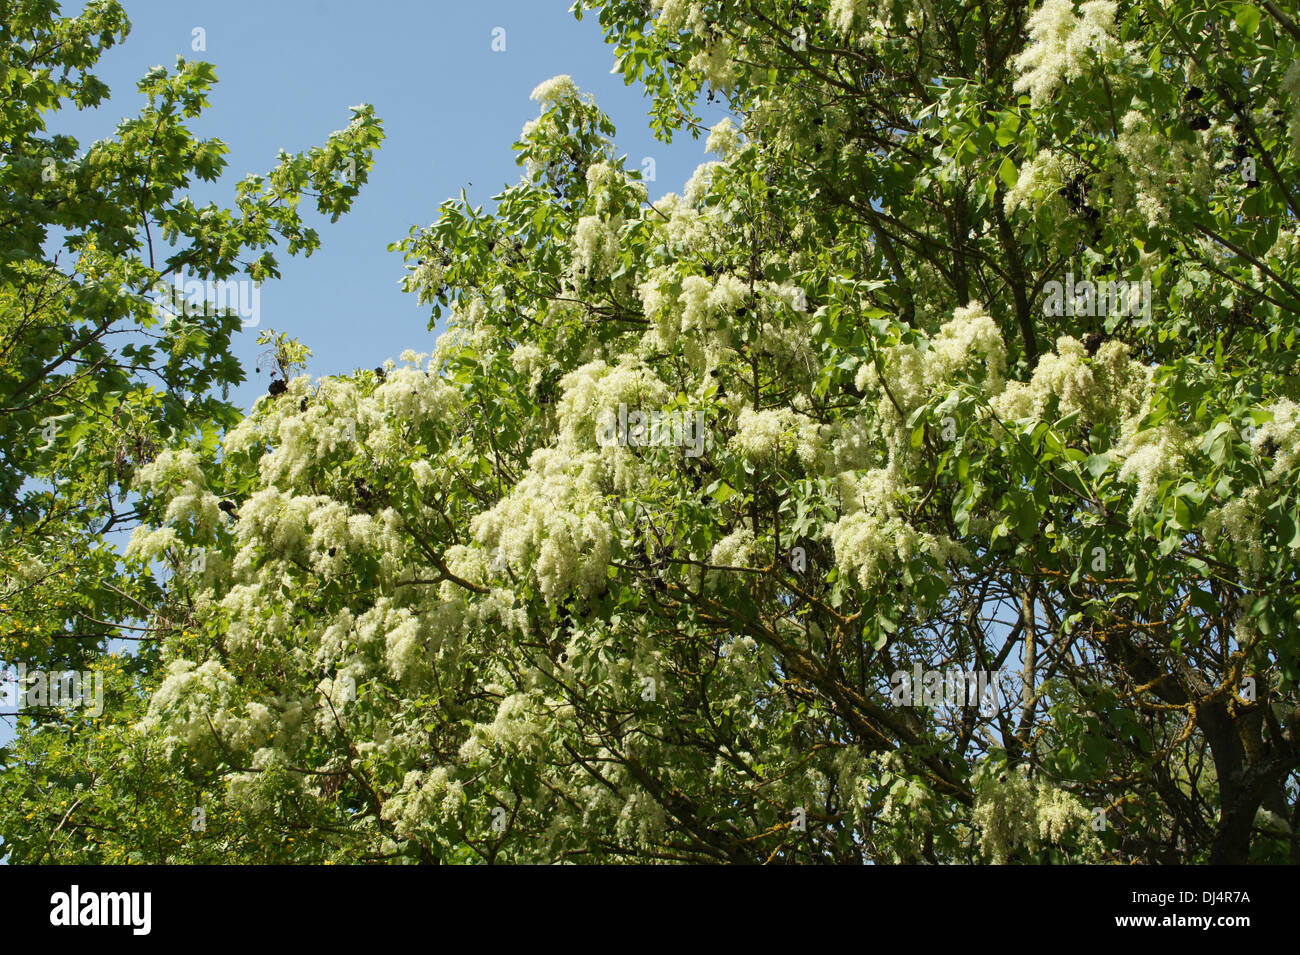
277 387
333 551
1198 122
302 405
227 506
1193 94
380 373
1092 341
1075 192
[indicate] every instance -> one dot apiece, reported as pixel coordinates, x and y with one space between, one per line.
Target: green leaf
1247 18
1008 172
1283 521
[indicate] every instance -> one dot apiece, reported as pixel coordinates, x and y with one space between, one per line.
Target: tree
974 353
111 346
79 412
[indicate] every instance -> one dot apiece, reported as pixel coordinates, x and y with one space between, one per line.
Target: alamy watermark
1097 298
195 296
130 909
954 687
641 429
75 689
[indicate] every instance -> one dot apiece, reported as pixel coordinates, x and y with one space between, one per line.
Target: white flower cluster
853 443
178 475
875 534
530 363
551 527
610 189
424 800
286 533
845 15
520 729
685 226
553 95
1040 177
971 339
594 389
192 701
23 571
765 436
1240 519
724 138
1157 167
678 15
1105 388
1150 455
426 280
734 550
717 63
701 181
642 820
411 397
1014 812
693 308
595 247
1281 436
910 807
1062 45
306 425
1290 85
555 91
868 545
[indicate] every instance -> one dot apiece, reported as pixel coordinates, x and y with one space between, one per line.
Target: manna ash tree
985 319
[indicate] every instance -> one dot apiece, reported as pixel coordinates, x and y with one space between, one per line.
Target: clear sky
451 107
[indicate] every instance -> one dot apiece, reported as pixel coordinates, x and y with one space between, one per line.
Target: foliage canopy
439 617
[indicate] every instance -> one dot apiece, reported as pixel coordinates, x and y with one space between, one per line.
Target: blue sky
451 107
